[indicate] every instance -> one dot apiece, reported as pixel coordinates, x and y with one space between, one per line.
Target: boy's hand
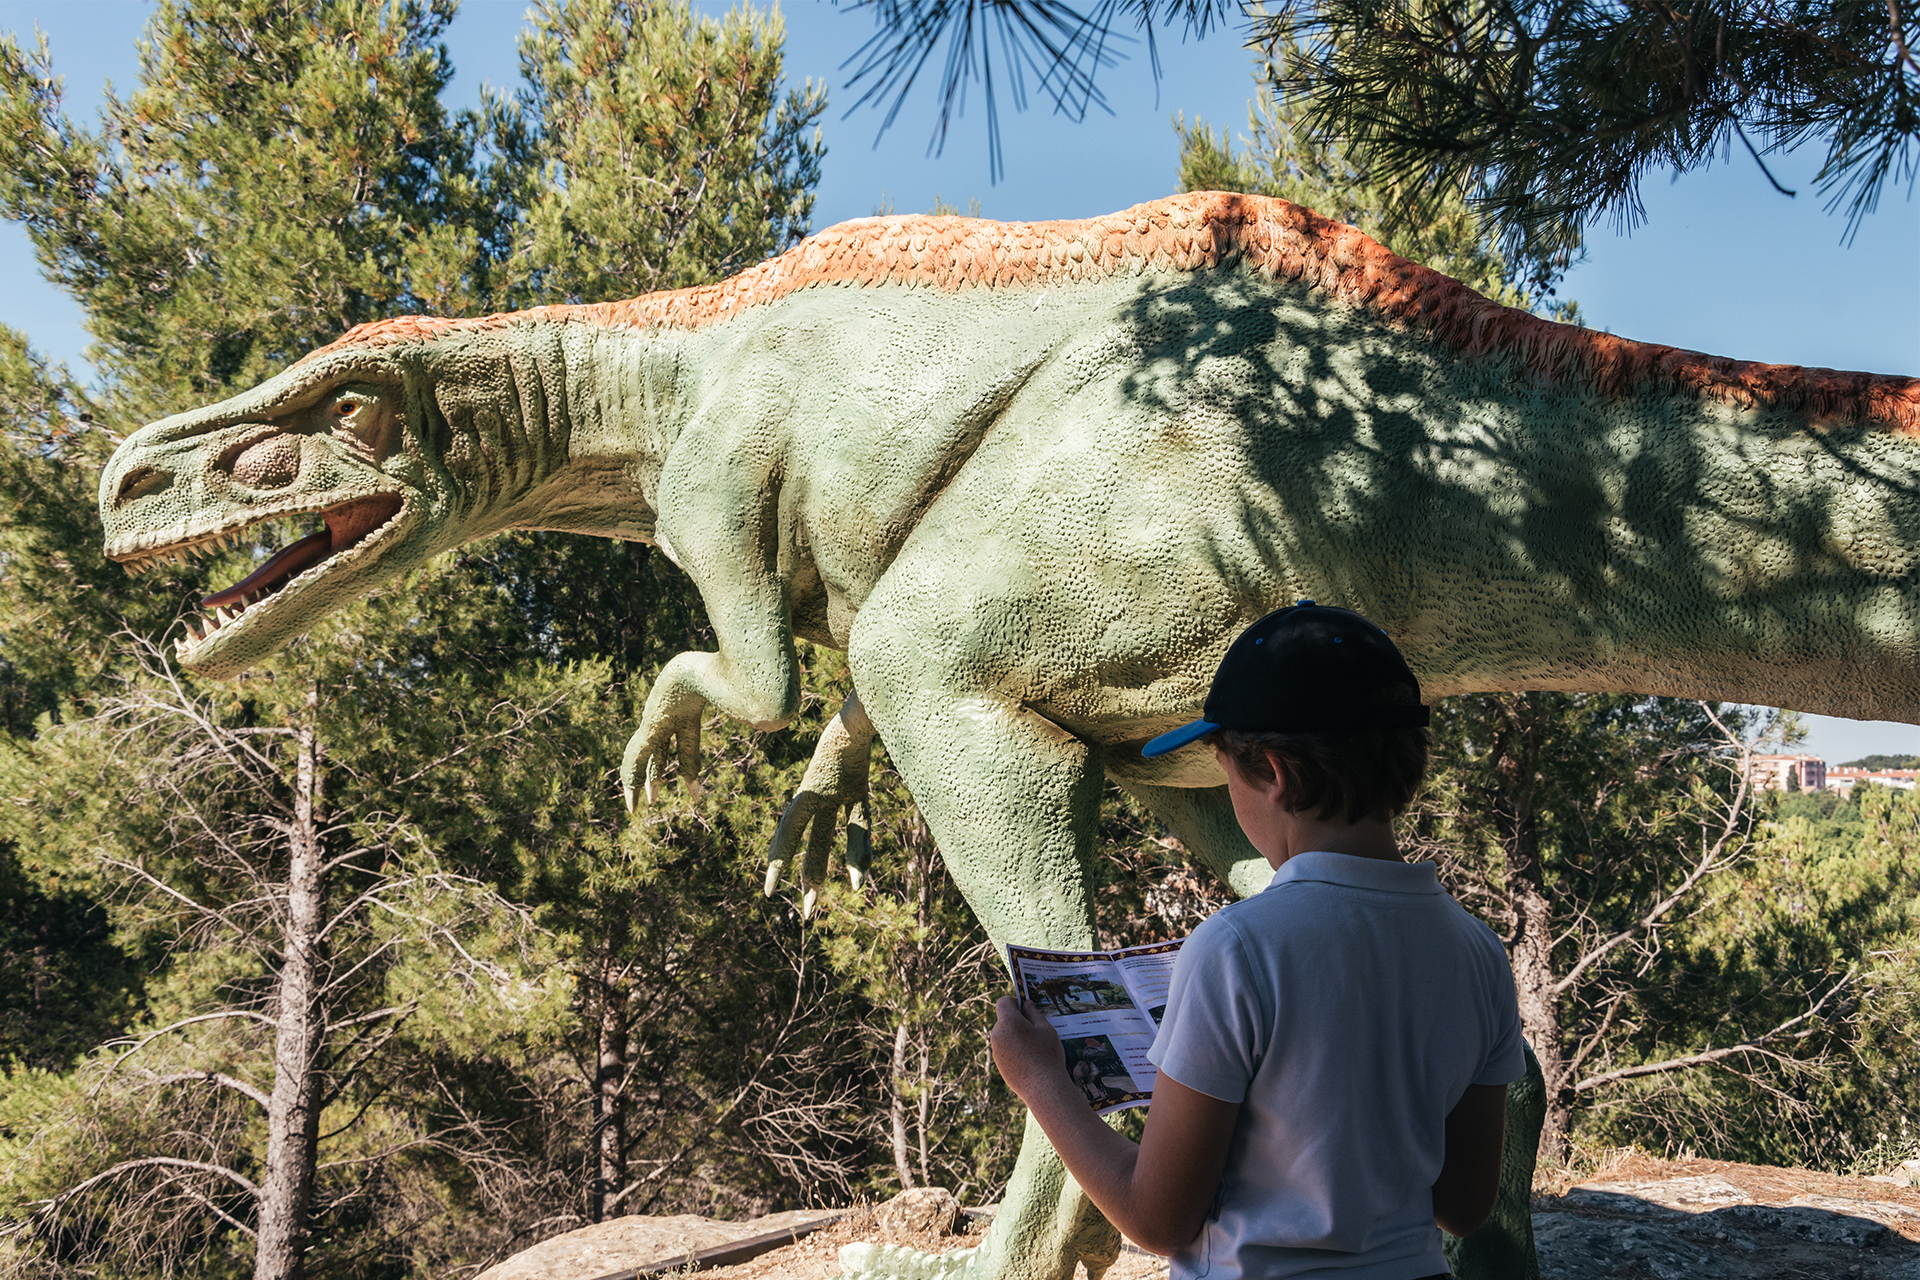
1157 1192
1026 1049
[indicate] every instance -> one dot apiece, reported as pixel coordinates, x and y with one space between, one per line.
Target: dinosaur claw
694 789
859 844
774 868
653 792
806 903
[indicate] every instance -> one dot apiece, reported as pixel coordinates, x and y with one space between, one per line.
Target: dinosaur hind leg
1201 818
1011 800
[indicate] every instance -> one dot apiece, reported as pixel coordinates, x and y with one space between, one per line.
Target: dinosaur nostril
142 482
268 464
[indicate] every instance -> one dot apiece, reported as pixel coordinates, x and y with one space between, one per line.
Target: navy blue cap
1308 668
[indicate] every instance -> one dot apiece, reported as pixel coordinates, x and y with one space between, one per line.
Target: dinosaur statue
1033 478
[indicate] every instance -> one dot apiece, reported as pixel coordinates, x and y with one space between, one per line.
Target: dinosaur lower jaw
350 526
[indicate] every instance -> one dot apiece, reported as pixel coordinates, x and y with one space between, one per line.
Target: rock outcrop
629 1243
1710 1220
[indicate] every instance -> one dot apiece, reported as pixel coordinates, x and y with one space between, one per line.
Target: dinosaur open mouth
347 525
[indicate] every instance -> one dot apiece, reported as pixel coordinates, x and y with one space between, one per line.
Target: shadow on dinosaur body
1034 478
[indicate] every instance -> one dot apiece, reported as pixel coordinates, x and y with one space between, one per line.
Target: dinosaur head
344 455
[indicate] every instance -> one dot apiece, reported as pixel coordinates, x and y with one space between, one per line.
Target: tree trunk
1532 944
926 1111
901 1159
609 1102
1534 978
293 1111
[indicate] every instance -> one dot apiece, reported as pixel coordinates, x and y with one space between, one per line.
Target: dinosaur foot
897 1262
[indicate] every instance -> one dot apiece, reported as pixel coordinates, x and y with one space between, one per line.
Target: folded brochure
1106 1007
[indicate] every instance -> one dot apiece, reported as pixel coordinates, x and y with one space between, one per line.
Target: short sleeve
1506 1059
1211 1037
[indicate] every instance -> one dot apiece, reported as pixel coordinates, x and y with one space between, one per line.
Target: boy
1336 1050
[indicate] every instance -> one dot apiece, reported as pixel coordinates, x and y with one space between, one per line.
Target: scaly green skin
1035 517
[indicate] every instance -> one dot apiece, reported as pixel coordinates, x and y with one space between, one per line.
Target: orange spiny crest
1209 229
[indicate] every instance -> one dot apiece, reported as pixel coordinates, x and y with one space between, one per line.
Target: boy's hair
1369 773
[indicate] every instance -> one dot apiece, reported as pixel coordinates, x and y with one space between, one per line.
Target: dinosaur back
1213 229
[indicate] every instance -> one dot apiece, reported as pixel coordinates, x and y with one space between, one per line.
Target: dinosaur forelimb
836 779
671 718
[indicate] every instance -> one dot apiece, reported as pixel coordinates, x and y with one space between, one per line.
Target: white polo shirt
1347 1008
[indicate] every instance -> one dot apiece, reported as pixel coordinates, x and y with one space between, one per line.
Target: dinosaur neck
602 429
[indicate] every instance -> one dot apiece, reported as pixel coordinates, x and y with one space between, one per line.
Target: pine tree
1439 228
1555 114
283 170
306 923
665 154
1551 114
63 983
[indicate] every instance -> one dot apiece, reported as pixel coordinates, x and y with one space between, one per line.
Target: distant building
1844 779
1790 773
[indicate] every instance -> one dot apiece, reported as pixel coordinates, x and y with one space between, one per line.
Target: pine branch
209 1077
1757 1045
52 1203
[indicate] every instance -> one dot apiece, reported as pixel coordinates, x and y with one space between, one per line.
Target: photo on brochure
1095 1066
1076 993
1106 1008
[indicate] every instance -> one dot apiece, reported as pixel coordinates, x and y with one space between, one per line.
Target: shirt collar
1359 873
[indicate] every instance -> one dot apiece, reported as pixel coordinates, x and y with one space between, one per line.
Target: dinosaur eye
362 418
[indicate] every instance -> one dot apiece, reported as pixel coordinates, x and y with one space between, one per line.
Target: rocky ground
818 1256
1635 1218
622 1244
1640 1218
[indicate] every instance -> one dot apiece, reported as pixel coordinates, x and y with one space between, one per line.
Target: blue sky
1723 263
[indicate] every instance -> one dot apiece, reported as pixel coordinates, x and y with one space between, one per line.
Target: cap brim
1178 738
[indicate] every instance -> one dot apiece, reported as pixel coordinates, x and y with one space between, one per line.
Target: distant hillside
1883 762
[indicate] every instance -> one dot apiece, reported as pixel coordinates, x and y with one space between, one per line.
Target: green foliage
665 157
63 984
1818 906
61 602
1693 979
1883 762
1553 114
283 171
177 812
1828 811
